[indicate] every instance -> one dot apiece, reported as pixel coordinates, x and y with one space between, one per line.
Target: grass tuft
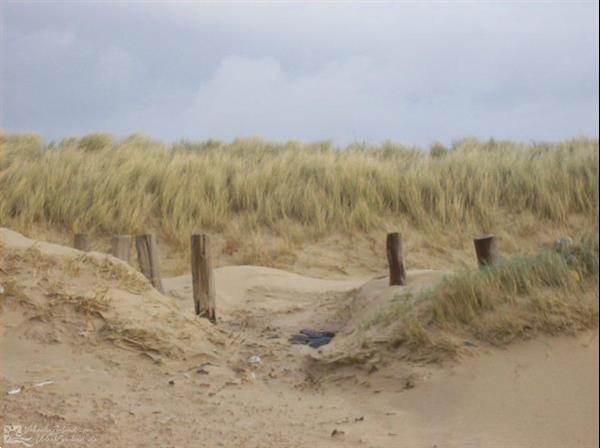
464 296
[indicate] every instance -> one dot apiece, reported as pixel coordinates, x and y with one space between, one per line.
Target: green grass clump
553 292
462 297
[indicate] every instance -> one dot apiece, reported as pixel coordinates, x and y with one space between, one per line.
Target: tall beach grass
292 190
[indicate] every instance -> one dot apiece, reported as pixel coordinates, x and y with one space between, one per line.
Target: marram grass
551 293
99 184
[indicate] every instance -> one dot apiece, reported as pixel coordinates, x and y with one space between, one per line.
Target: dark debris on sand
312 338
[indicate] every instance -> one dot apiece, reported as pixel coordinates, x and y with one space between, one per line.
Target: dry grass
89 297
266 198
113 270
92 305
137 339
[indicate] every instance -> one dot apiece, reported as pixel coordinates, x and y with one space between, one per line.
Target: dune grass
295 191
462 297
554 292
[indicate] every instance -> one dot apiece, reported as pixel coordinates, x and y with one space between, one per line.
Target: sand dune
132 367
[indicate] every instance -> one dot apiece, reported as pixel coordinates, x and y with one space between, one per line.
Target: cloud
408 71
52 40
39 46
376 98
257 96
116 68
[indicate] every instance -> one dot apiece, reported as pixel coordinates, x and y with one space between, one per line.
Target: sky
413 72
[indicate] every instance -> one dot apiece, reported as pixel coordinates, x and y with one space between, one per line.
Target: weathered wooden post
203 282
395 258
81 242
148 259
486 248
121 246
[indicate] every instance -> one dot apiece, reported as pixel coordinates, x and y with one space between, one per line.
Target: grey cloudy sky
412 72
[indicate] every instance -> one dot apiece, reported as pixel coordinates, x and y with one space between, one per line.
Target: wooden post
121 245
81 242
395 258
203 282
148 259
486 249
